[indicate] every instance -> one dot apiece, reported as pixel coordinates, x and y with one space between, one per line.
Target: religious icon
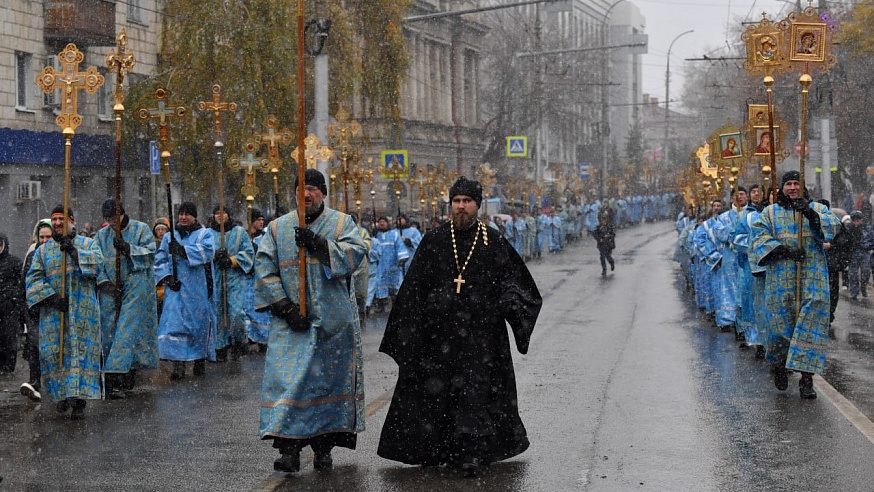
730 143
766 48
757 113
765 140
807 42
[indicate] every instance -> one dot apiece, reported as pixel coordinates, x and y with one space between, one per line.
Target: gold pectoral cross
458 281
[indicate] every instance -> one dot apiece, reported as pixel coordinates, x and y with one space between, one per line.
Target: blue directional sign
392 159
154 158
517 146
585 170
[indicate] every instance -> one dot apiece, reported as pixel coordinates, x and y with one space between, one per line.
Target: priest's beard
462 220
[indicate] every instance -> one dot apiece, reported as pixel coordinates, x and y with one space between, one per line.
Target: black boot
129 381
781 378
178 370
221 355
199 367
805 386
288 462
78 406
323 461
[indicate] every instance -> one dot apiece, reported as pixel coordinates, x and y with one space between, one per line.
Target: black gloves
66 245
176 249
782 252
718 265
402 262
290 312
799 204
57 302
174 284
223 259
315 244
122 246
408 242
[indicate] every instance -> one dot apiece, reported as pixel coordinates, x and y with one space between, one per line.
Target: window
106 97
135 11
24 80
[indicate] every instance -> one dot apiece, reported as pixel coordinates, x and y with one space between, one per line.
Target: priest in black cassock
455 401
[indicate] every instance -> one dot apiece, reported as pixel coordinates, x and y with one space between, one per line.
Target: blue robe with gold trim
133 342
240 248
313 381
798 341
78 375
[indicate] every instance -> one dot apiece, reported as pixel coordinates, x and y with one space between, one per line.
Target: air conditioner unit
29 190
53 99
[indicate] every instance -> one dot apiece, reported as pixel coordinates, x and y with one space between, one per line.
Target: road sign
517 146
798 148
392 158
154 158
585 170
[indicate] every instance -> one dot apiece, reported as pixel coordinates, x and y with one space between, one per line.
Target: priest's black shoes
781 378
805 387
323 461
288 463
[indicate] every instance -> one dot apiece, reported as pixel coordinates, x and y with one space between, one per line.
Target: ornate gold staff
359 174
249 162
273 137
122 62
301 168
70 80
217 106
486 176
339 135
162 114
395 169
312 153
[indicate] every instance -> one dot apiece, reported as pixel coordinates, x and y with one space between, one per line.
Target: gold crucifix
313 152
161 114
339 135
273 137
217 106
458 281
122 62
70 80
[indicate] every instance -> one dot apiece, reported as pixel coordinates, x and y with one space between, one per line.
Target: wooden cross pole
217 106
122 62
301 168
162 114
70 80
273 137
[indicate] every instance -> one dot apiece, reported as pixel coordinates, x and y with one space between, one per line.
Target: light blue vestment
133 342
78 375
240 248
415 238
259 323
391 249
798 341
747 320
703 272
313 380
187 329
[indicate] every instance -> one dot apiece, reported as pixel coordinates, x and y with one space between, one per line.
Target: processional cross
249 162
273 137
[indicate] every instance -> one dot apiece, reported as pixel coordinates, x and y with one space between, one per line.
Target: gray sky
717 23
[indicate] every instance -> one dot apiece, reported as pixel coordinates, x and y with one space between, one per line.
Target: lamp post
668 96
373 207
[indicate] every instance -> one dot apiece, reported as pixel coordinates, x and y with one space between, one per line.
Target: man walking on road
455 401
796 341
313 388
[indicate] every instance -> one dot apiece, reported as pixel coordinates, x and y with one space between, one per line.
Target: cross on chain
162 113
122 62
217 106
70 80
313 152
458 281
272 138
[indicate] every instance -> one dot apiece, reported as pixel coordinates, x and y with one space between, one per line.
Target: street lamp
668 96
373 207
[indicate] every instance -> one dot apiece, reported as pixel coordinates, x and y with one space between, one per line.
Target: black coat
456 378
12 296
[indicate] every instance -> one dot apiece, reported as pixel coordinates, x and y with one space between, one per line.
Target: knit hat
188 208
790 176
257 214
227 210
160 221
468 187
313 177
59 209
108 208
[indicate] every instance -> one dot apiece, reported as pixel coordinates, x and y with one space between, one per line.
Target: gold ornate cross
70 80
273 137
313 152
251 163
162 113
122 62
217 106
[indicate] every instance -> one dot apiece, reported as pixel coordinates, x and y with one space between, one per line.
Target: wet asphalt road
625 387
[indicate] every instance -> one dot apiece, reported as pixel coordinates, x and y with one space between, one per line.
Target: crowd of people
768 270
98 308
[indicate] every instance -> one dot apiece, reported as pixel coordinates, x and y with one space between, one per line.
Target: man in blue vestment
797 328
130 334
392 255
232 263
259 323
70 349
313 388
411 238
187 330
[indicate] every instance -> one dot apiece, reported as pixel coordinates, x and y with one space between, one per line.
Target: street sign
798 148
154 158
394 159
585 170
517 146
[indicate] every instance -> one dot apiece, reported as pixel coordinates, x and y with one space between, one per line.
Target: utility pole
668 97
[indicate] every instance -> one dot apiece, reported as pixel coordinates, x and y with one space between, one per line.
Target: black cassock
456 392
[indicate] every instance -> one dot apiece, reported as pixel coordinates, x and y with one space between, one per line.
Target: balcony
84 22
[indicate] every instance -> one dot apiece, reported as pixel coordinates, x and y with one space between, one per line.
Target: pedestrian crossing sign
517 146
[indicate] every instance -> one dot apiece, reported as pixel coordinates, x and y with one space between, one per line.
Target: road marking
857 418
